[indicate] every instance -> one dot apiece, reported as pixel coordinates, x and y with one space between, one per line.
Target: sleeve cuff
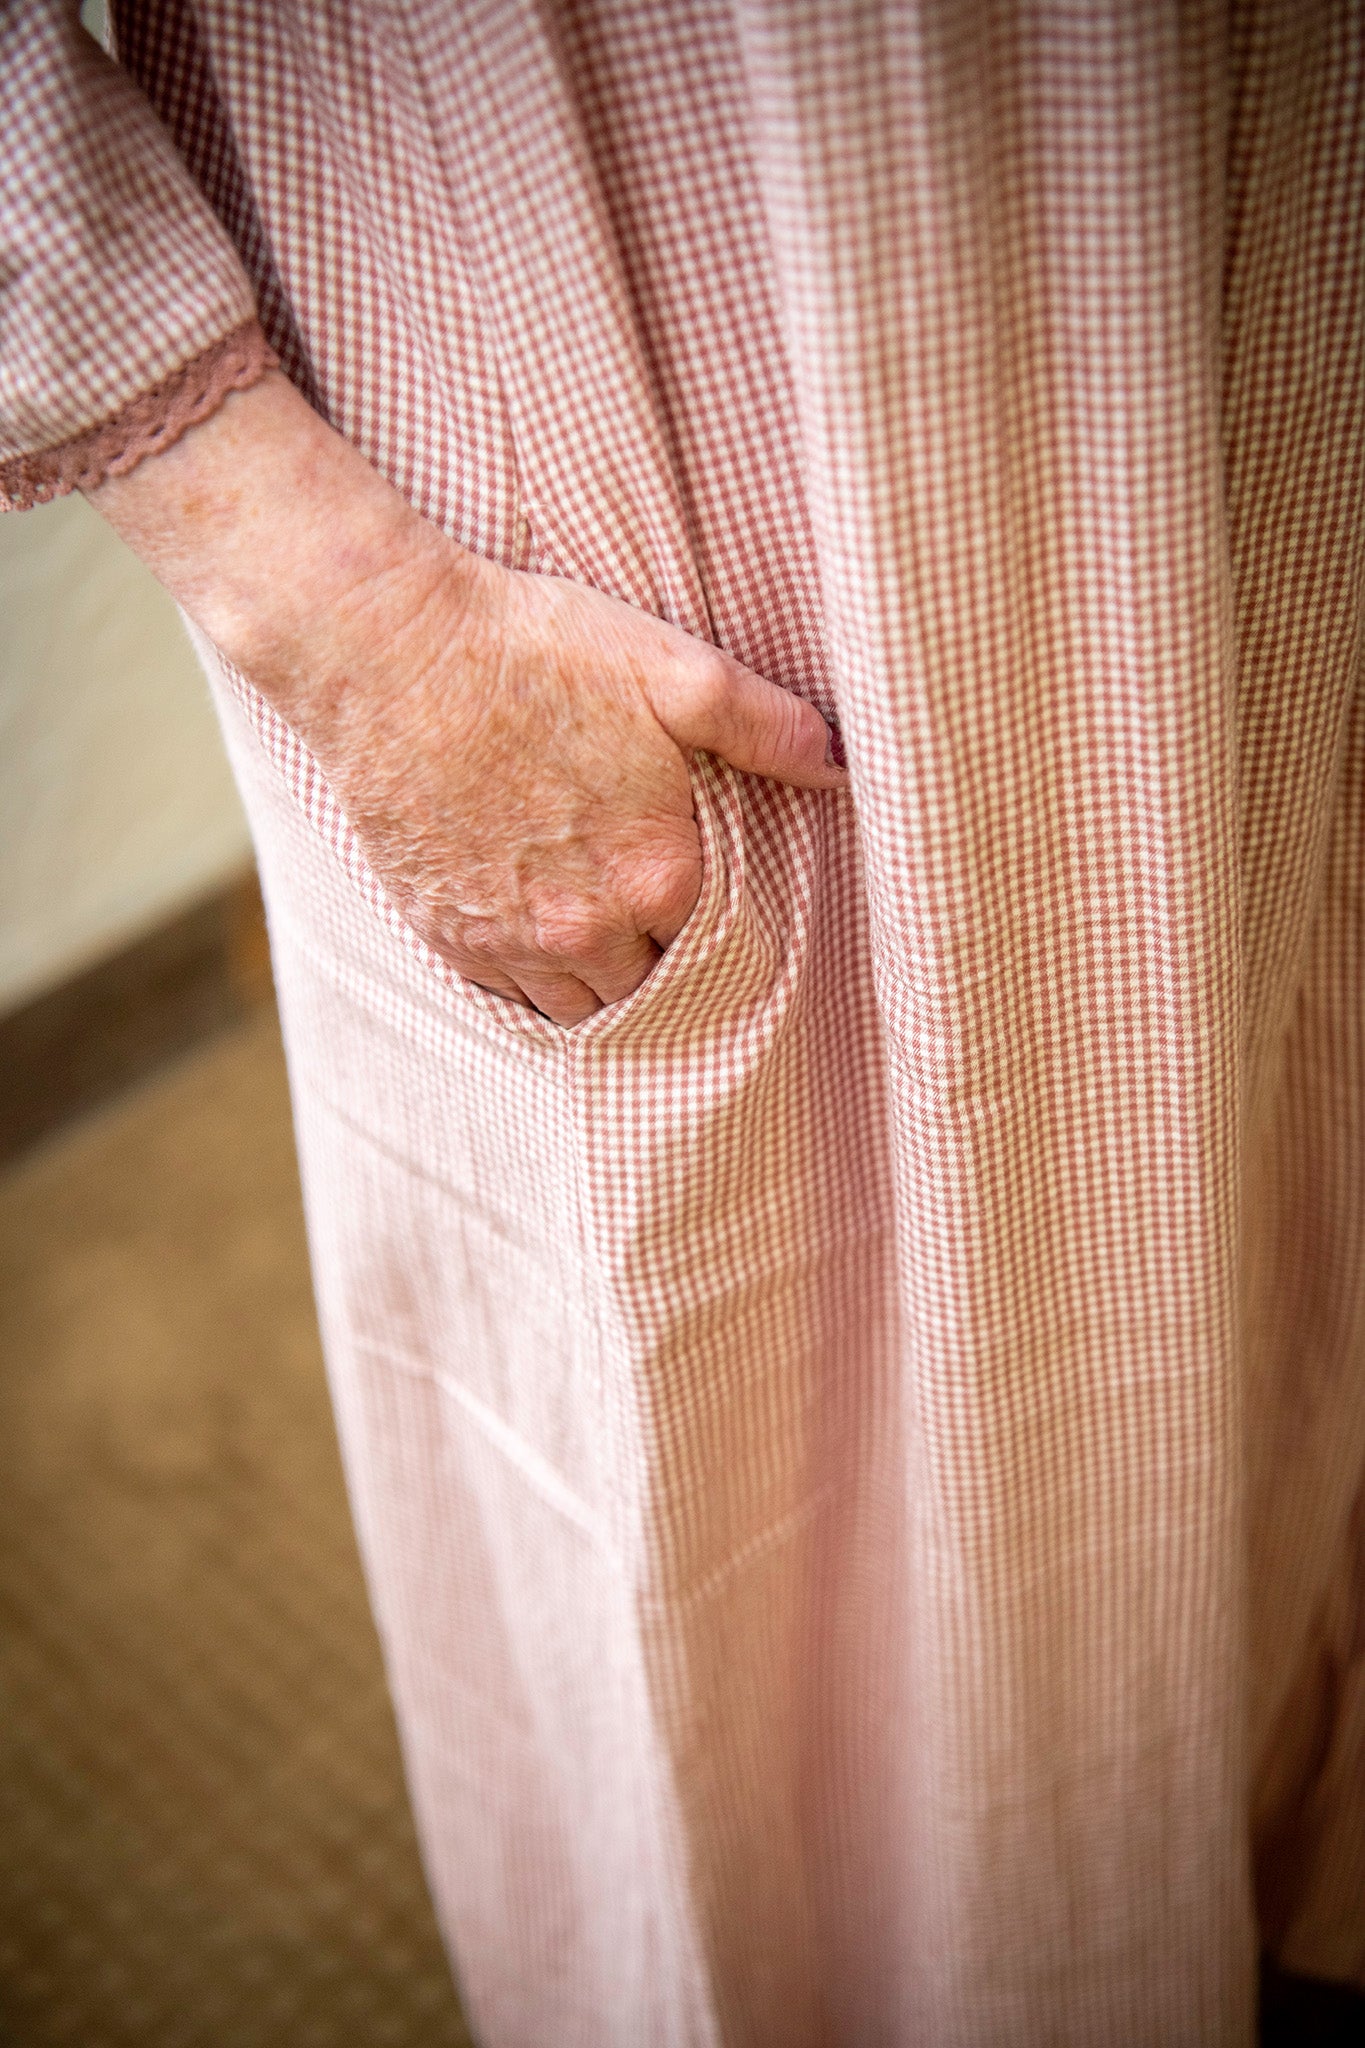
144 427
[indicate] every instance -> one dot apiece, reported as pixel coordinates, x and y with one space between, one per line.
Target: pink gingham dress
859 1449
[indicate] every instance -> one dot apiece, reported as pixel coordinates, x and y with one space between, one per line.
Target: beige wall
116 806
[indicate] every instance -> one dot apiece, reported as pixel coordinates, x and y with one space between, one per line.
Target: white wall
116 805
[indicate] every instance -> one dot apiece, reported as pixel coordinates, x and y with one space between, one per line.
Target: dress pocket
719 815
719 827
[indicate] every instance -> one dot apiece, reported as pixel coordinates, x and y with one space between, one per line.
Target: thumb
726 709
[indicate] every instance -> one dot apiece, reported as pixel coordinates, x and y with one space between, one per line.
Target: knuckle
565 929
715 683
664 888
704 689
481 943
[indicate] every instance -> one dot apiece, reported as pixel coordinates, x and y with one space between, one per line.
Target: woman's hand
511 750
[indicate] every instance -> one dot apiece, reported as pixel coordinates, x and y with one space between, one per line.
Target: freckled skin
511 750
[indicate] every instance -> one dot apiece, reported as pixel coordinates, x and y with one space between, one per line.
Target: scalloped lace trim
145 426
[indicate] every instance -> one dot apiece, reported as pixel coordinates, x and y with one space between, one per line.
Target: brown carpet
203 1833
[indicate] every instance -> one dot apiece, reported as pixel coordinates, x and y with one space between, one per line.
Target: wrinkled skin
511 750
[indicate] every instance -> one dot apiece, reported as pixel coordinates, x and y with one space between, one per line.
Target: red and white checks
860 1448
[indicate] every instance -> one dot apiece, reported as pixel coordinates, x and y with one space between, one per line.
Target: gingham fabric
125 313
858 1449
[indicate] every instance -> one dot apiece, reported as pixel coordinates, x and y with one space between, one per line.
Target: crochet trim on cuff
145 426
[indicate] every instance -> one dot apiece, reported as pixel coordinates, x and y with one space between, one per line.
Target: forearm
278 538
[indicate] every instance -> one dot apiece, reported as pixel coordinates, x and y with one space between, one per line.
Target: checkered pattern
115 281
859 1449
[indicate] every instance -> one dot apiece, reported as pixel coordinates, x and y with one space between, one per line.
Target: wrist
280 540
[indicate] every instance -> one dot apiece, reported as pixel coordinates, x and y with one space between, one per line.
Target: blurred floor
203 1833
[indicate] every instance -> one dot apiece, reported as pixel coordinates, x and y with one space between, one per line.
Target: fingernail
834 748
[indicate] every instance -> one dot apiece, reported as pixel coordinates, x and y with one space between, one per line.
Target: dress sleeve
125 313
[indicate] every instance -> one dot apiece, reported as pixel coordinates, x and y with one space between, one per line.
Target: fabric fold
938 1296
